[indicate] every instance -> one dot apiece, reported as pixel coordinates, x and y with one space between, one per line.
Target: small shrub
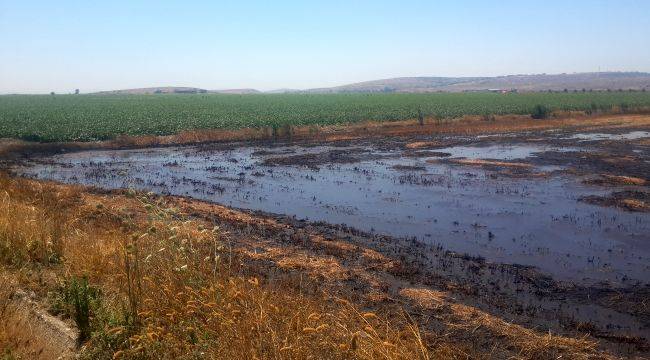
593 109
79 295
540 112
33 138
78 300
7 354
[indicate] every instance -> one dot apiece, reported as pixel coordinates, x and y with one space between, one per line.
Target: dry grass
616 180
173 289
635 205
7 342
630 200
426 145
29 232
469 325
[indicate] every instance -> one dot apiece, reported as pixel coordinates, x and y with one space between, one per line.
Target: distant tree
76 91
609 90
566 90
420 117
584 90
52 93
540 112
575 91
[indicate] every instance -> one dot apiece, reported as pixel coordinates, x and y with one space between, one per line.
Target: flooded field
508 202
633 135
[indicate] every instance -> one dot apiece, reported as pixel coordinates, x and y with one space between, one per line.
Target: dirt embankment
28 331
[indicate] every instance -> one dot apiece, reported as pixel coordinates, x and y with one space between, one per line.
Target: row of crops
97 117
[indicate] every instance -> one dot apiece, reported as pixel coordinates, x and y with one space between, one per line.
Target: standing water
533 221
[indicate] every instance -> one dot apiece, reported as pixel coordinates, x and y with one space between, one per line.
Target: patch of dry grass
33 223
615 180
171 288
630 200
426 145
635 205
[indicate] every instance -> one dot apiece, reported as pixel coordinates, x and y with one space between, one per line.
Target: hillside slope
540 82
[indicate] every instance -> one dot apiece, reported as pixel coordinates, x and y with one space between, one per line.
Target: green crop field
97 117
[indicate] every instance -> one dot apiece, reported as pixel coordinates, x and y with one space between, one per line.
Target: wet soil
631 200
313 160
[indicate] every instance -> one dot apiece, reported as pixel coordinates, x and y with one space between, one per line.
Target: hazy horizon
68 45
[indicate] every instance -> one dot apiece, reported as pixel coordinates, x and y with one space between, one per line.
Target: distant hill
235 91
178 90
425 84
403 84
157 90
283 91
540 82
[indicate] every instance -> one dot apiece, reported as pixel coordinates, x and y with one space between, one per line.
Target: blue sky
62 45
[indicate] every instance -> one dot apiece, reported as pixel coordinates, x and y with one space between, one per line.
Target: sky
63 45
